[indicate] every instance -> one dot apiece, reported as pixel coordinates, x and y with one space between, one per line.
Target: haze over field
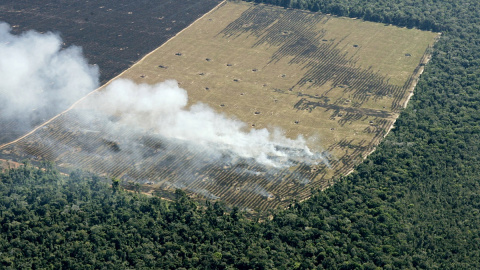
37 75
162 108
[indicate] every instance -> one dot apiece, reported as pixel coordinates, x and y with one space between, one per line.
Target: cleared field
107 31
339 82
329 74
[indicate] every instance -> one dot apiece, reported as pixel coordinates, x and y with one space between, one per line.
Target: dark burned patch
113 146
296 35
11 129
255 20
114 118
107 36
152 142
309 105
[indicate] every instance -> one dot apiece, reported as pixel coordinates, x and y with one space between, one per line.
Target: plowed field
108 31
339 82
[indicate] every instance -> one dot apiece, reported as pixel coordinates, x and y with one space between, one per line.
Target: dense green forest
435 15
414 203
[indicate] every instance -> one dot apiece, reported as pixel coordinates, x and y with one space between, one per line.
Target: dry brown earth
339 82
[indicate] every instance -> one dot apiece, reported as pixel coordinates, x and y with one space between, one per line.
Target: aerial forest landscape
239 135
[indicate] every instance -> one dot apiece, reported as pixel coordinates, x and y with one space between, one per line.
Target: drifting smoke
162 108
38 78
37 75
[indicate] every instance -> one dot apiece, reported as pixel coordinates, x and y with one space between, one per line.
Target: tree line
414 203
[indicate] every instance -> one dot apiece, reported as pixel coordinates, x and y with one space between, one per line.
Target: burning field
108 33
251 104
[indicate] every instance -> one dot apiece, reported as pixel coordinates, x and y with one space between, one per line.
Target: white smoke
162 108
36 74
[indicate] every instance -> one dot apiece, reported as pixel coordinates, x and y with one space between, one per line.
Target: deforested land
339 82
108 33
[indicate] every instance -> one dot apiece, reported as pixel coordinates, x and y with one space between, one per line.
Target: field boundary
351 107
109 82
427 56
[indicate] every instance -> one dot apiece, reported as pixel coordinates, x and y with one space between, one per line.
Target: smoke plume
36 74
38 78
162 109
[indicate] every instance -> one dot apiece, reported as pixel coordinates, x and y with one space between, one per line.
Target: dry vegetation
107 31
339 82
